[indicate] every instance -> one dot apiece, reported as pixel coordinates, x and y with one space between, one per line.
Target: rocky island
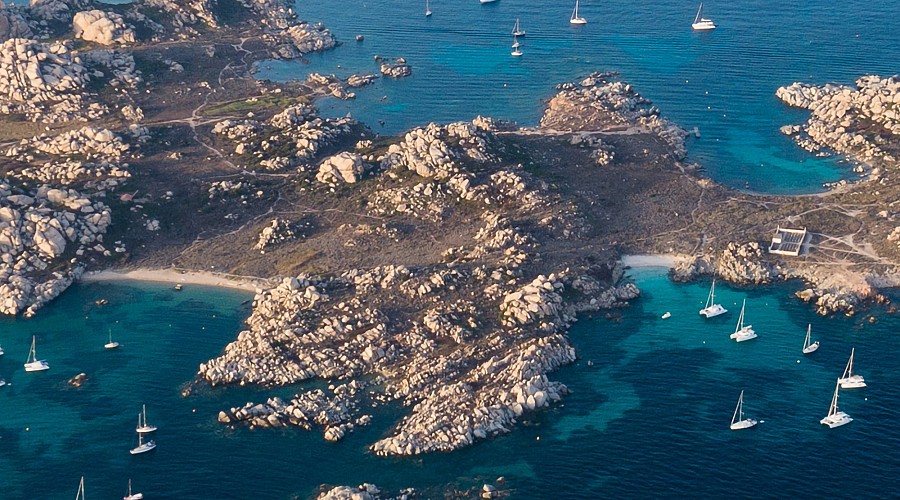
439 269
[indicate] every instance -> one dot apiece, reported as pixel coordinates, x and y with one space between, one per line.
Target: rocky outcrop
105 28
298 133
13 24
278 231
40 229
342 167
394 68
601 103
42 81
856 121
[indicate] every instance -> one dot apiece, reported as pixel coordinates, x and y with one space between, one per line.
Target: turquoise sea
722 82
647 417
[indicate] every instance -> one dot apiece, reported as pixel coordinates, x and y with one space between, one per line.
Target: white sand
248 283
661 260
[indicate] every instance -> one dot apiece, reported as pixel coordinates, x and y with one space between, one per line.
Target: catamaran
33 364
576 19
701 23
80 494
427 10
848 380
517 30
835 417
143 447
743 332
142 427
516 52
111 344
807 347
132 496
738 421
712 309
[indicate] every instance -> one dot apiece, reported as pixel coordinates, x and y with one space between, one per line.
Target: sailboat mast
834 400
699 11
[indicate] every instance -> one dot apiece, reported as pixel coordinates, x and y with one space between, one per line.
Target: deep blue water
723 82
648 418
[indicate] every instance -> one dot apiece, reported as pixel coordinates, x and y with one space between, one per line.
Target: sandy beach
657 260
248 283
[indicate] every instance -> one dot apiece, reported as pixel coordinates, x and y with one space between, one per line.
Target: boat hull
144 448
854 382
713 311
578 21
145 429
811 349
838 419
703 25
744 334
111 345
136 496
37 366
744 424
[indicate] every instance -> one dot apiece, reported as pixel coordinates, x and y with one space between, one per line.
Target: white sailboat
143 447
2 382
743 332
517 29
487 1
110 344
142 426
848 380
427 9
132 496
1 351
738 421
516 51
835 417
80 494
576 19
712 309
33 364
807 347
701 23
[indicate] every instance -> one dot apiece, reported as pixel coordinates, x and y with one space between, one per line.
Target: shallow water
722 82
660 392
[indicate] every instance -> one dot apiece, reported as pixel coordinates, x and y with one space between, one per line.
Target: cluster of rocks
43 81
277 231
601 103
365 491
394 67
105 28
87 142
602 152
859 121
312 408
737 263
297 133
13 24
341 168
41 229
184 17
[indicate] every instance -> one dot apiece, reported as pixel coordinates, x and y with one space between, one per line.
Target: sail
738 410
